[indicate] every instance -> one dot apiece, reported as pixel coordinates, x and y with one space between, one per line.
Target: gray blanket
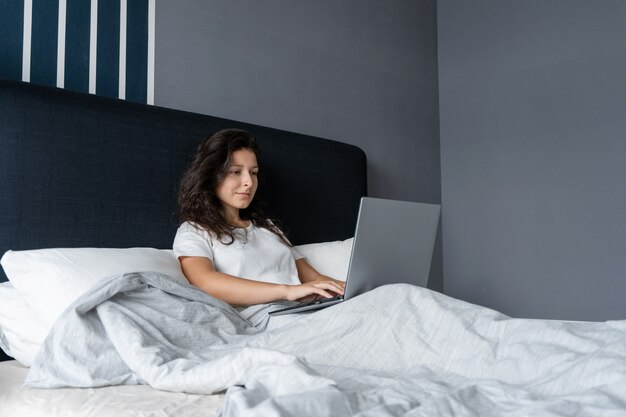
396 351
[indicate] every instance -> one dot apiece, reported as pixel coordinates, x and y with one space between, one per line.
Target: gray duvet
396 351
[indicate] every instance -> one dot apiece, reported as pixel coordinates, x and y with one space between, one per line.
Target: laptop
393 244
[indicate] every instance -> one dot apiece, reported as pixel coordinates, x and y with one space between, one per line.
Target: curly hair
197 199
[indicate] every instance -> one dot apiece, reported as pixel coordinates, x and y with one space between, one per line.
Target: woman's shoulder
193 228
265 225
274 230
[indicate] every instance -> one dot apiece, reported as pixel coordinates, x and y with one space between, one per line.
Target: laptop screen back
393 244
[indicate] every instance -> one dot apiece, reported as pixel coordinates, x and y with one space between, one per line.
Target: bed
103 323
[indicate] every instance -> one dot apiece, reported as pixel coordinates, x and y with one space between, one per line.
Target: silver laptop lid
393 244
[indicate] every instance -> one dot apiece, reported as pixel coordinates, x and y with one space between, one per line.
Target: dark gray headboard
79 170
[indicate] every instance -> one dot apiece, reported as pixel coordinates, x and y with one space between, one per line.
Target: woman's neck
235 220
240 223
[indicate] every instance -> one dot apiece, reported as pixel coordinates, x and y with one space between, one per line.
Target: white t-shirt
256 254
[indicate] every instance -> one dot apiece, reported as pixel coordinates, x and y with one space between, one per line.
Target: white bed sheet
114 401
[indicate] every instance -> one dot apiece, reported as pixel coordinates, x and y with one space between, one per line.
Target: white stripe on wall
93 46
123 23
151 28
61 44
28 23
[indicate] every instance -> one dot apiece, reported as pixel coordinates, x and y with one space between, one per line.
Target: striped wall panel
103 47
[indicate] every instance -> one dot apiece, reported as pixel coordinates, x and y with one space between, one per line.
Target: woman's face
237 189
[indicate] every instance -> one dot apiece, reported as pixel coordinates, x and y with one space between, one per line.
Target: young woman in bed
225 245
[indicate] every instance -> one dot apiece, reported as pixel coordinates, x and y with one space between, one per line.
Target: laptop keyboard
322 301
312 303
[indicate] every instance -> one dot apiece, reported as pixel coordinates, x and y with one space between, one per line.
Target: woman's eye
255 173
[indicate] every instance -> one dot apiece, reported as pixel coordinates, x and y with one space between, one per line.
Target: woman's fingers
323 293
329 285
324 278
324 289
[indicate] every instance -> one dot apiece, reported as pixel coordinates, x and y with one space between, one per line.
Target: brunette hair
197 200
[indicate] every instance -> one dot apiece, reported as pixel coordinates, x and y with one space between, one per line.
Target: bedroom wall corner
533 155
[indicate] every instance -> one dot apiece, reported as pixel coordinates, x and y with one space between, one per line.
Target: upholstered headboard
79 170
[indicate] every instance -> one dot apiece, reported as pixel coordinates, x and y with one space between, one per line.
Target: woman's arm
239 291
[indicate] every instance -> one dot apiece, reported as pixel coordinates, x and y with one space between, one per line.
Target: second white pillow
329 258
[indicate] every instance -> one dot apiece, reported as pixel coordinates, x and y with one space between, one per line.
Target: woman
225 245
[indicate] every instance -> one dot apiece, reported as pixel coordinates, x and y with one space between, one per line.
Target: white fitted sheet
114 401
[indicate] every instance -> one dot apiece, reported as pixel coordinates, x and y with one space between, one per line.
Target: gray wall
533 148
362 72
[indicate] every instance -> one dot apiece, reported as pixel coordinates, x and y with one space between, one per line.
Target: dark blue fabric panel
43 62
77 45
108 64
11 39
137 51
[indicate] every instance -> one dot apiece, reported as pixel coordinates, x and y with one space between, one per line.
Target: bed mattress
114 401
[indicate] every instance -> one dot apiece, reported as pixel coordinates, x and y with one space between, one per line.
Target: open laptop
393 243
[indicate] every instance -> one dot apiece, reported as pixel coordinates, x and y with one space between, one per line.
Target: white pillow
328 258
20 327
51 279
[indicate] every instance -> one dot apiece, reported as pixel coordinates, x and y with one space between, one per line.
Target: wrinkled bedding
398 350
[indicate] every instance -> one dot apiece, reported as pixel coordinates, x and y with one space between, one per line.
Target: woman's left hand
320 277
307 273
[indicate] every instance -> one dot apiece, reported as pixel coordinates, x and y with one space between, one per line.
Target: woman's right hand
313 290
